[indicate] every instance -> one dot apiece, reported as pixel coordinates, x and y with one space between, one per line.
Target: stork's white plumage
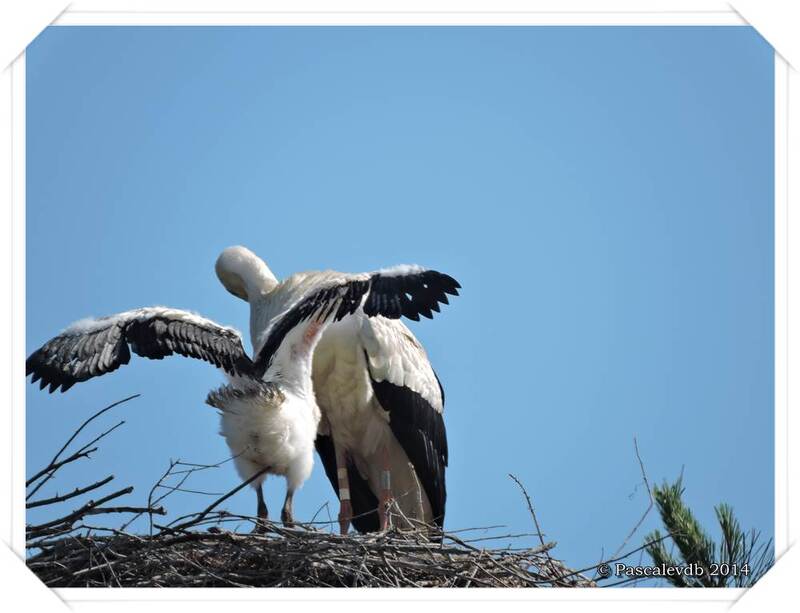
381 434
269 414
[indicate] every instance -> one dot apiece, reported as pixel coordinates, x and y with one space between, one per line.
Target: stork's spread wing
94 347
408 389
403 291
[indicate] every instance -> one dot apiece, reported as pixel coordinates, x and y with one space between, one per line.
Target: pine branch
750 558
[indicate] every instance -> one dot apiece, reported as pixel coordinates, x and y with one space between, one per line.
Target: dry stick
56 466
103 435
193 468
150 502
483 528
293 556
198 467
183 490
210 507
649 506
150 496
91 508
324 506
186 474
78 513
102 510
375 561
78 431
207 571
88 421
76 492
90 569
535 521
499 537
617 559
110 568
82 452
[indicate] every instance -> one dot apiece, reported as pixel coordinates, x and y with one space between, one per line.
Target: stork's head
244 274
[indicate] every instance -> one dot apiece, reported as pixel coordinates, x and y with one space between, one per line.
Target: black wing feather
419 428
364 502
409 295
76 356
390 295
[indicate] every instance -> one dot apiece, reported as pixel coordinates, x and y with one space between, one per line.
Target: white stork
382 436
269 416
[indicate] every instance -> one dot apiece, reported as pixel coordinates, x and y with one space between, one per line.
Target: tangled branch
38 534
294 557
214 547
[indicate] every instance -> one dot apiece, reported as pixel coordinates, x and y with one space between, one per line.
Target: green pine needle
735 550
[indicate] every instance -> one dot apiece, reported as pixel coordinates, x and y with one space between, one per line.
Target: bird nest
298 557
70 549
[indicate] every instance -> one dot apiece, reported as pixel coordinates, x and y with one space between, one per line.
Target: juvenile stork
381 436
269 416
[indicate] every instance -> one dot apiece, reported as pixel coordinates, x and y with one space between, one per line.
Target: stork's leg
385 499
286 512
345 508
261 512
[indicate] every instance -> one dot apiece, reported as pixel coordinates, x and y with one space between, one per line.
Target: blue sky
604 196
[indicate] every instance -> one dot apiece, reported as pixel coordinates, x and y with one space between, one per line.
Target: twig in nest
90 508
76 492
207 510
288 557
54 464
40 535
71 553
535 521
649 505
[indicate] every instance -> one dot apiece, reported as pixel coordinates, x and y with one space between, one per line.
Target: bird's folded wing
394 354
408 389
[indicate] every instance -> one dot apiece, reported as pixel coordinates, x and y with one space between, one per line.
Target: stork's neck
292 363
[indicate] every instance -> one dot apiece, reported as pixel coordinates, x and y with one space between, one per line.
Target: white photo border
174 16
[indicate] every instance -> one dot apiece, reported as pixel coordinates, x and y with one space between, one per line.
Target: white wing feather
395 355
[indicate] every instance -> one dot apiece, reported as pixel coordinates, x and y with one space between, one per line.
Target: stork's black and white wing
94 347
408 389
403 291
401 377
